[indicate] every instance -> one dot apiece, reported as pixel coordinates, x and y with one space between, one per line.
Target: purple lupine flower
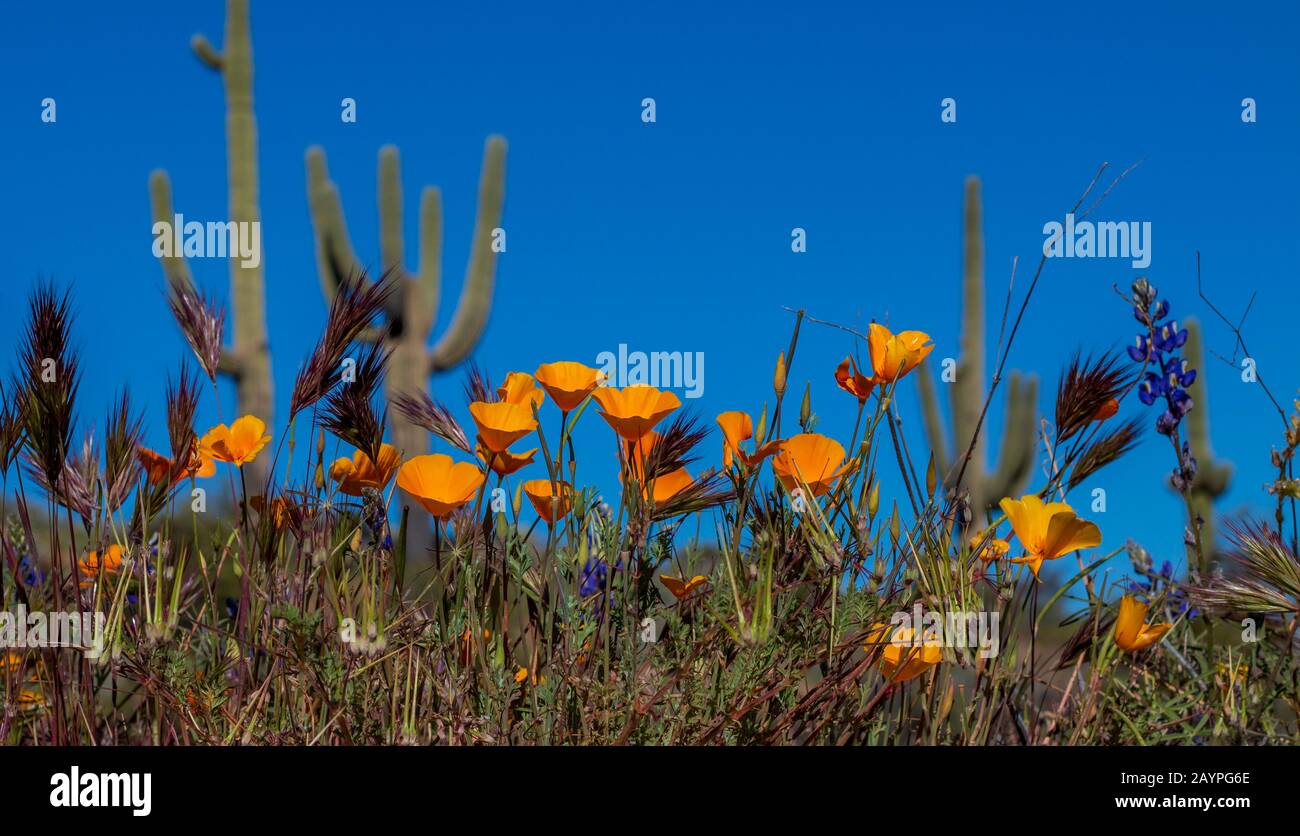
1159 346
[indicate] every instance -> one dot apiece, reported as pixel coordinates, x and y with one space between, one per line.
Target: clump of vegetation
757 583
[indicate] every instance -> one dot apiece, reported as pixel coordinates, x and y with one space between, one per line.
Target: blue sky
675 236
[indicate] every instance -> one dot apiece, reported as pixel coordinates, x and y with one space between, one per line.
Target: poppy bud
778 378
805 409
873 499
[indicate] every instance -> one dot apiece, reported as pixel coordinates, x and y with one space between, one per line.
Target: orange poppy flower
159 468
91 566
902 658
1106 410
670 484
501 424
634 410
1132 633
521 676
521 389
894 355
680 587
737 427
852 381
812 457
239 443
31 698
990 550
1048 530
548 506
10 660
360 472
439 484
505 462
568 383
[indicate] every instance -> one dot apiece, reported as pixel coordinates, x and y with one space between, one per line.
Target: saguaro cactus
1212 476
968 391
247 359
414 308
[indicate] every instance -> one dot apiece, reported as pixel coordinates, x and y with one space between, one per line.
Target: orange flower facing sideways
504 463
634 410
521 389
1132 633
812 458
670 484
93 564
360 472
438 483
894 355
682 588
852 381
239 443
1048 530
901 656
568 383
159 468
501 424
549 506
737 427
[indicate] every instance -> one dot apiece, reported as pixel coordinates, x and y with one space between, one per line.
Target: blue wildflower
1159 346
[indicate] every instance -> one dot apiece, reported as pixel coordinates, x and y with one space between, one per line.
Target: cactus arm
175 268
206 52
968 389
392 254
334 254
426 292
476 296
391 250
932 419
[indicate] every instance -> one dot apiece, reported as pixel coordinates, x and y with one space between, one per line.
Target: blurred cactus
414 308
968 391
247 359
1212 476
